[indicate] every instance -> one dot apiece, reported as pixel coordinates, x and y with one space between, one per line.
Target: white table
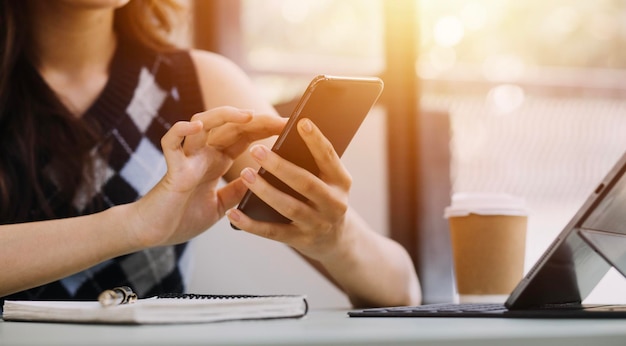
328 328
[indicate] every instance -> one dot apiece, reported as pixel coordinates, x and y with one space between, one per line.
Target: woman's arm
35 253
374 270
182 205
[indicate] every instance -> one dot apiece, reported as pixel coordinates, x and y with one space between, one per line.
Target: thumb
231 194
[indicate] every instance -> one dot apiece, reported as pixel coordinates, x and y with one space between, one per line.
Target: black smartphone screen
338 106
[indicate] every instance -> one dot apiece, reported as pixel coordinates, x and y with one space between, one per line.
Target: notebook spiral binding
207 296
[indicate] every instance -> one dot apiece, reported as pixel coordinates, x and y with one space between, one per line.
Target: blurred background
522 97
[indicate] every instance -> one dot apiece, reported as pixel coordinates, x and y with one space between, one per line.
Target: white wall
229 261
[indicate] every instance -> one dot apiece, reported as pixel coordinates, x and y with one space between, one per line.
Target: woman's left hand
372 269
318 224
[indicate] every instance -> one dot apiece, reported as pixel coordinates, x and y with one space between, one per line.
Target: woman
90 93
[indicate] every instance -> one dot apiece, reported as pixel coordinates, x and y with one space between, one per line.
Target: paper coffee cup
488 238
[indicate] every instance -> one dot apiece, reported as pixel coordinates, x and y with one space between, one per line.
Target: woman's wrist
344 253
126 228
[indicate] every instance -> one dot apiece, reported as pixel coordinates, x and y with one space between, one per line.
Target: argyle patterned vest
147 92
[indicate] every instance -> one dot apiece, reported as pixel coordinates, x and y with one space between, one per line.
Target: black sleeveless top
147 92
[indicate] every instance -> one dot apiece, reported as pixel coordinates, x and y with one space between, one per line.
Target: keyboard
495 310
435 310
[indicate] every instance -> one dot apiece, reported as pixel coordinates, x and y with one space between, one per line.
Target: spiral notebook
165 309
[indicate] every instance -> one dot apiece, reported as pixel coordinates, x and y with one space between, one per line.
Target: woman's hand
372 269
318 224
198 153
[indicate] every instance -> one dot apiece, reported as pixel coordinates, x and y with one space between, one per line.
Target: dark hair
37 132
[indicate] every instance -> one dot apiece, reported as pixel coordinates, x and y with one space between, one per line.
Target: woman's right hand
187 200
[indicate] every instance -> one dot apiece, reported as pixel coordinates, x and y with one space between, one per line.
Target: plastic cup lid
464 204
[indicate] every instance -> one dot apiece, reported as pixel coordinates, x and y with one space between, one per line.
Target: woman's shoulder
215 65
223 82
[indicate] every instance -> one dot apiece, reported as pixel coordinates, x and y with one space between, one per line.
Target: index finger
221 115
214 118
235 138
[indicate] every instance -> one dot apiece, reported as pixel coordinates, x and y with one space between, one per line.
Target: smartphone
337 106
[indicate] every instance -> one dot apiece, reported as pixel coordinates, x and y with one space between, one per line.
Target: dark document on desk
592 242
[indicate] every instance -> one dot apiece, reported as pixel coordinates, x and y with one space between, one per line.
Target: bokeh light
505 98
448 31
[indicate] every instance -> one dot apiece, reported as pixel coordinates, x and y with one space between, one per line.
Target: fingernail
248 175
233 215
259 152
245 114
306 125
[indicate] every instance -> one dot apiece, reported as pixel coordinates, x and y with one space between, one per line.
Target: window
535 92
286 42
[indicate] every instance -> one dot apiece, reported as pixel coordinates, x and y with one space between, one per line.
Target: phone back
337 106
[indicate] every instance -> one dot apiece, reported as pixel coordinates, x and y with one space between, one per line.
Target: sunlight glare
505 98
441 58
448 31
603 26
565 19
503 67
474 16
295 11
